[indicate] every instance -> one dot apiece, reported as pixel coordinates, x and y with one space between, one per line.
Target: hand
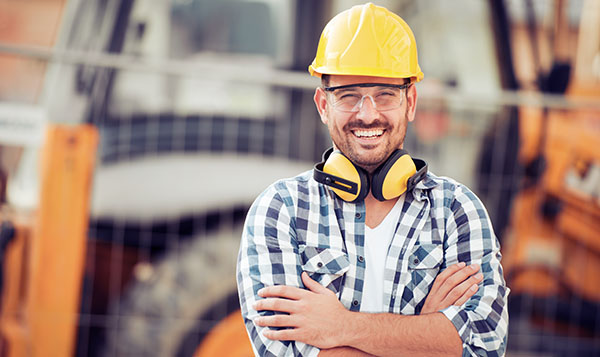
315 315
454 286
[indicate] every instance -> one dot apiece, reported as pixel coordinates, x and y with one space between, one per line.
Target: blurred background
135 134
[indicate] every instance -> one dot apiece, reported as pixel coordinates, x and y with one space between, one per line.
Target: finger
275 321
458 277
441 278
440 289
442 293
451 270
281 335
435 296
312 285
288 292
458 291
275 304
467 295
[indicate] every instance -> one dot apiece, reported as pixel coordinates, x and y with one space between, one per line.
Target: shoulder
455 201
287 190
450 190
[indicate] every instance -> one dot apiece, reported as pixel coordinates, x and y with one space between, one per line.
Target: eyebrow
399 86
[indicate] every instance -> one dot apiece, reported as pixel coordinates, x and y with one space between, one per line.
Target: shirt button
361 258
358 215
416 261
355 302
320 265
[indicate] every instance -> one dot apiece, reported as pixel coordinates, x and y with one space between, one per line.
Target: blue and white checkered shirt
300 225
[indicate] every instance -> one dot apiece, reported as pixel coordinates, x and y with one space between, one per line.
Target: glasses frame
365 85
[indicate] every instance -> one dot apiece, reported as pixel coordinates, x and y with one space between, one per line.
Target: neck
377 210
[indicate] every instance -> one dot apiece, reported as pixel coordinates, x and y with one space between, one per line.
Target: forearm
392 335
343 352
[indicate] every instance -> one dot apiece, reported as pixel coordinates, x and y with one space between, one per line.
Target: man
368 254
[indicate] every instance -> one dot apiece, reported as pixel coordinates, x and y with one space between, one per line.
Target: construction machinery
159 122
550 236
149 152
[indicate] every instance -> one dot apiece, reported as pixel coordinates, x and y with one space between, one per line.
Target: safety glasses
350 98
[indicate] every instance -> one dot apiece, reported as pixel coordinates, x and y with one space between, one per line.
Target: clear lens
351 99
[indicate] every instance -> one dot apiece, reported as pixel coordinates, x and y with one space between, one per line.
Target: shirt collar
420 190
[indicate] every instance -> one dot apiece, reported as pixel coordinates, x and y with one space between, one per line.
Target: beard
365 156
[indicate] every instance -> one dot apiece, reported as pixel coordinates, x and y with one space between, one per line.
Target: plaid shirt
300 225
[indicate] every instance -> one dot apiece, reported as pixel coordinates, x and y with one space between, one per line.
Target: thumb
312 285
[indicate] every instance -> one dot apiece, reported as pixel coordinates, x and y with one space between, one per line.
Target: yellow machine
41 290
552 245
555 241
55 271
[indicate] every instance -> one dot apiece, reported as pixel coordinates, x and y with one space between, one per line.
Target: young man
368 254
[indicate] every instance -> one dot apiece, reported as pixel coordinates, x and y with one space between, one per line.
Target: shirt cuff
459 319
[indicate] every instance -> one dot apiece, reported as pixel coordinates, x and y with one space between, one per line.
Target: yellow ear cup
339 165
351 183
395 181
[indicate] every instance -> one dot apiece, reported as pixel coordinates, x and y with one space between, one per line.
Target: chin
369 163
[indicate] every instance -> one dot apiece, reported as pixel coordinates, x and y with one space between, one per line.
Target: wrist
351 326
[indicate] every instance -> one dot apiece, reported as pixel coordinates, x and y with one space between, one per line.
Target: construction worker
368 253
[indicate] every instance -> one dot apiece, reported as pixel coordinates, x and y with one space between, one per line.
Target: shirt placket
354 236
412 219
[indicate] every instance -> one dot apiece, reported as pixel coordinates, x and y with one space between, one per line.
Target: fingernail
475 267
461 264
478 276
257 320
473 287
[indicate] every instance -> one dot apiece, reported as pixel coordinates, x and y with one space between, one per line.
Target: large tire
163 305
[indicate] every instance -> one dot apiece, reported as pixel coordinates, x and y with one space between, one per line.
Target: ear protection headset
392 178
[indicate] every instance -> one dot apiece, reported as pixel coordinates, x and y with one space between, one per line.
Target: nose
367 109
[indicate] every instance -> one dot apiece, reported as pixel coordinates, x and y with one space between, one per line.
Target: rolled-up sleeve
482 322
269 256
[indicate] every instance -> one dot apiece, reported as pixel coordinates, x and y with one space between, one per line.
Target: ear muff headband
390 180
348 181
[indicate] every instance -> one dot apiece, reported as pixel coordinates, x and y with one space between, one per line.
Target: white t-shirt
377 243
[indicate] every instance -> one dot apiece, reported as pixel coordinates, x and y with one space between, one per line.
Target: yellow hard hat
367 40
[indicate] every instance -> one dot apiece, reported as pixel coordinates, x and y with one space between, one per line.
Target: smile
368 133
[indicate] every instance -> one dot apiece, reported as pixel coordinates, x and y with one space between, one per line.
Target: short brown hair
325 80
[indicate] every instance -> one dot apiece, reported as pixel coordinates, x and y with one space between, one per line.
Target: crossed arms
270 266
316 317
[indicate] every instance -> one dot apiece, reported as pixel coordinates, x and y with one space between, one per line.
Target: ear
320 99
411 102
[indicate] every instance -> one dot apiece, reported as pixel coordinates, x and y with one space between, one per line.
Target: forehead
340 80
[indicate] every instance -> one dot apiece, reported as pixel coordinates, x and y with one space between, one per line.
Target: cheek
339 121
330 122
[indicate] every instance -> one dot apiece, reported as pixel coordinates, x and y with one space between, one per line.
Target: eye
348 96
387 93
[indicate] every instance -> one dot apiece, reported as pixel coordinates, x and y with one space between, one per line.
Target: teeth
368 133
